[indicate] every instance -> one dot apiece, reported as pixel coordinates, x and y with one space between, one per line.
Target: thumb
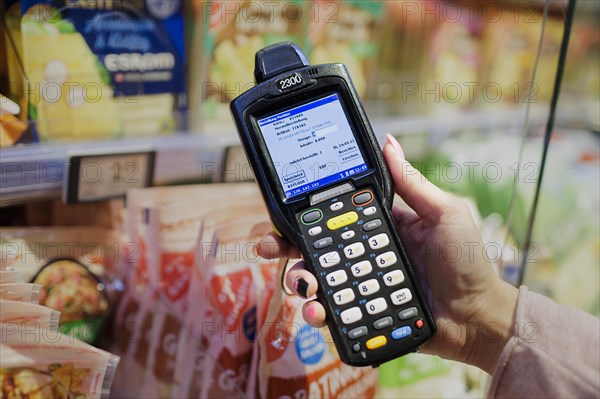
420 194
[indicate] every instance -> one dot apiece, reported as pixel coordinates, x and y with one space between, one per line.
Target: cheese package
38 364
235 31
118 64
297 360
345 32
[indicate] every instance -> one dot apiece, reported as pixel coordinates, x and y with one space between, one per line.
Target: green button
311 216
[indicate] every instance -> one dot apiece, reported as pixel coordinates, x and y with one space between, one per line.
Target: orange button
419 323
376 342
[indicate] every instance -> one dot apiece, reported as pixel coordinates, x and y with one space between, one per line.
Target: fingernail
310 312
392 140
301 287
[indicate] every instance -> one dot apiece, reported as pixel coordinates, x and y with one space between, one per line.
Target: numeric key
369 287
361 268
354 250
336 278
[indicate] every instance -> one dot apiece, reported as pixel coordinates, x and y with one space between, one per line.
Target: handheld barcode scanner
329 191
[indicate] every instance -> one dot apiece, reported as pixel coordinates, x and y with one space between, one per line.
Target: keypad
323 243
376 342
379 241
370 211
393 278
354 250
372 225
382 323
386 259
408 313
336 278
360 270
351 315
358 332
401 296
376 306
336 206
315 230
401 332
369 287
346 235
330 259
344 296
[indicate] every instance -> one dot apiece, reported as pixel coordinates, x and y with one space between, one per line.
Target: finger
404 218
418 192
300 281
272 246
314 314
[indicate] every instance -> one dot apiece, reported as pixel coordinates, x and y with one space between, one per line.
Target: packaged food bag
164 224
201 319
28 249
345 32
22 292
297 360
23 314
56 367
232 298
265 279
235 31
76 267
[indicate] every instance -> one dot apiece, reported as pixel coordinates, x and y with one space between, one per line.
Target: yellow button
342 220
376 342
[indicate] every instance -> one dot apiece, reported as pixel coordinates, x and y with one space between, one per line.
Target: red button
419 323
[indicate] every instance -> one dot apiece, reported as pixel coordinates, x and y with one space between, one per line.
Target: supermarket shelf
36 172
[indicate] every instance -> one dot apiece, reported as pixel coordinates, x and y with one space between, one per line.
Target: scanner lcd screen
312 145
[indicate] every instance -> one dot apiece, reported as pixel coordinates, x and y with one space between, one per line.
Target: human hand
473 308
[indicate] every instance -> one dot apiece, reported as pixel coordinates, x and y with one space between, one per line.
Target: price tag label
99 177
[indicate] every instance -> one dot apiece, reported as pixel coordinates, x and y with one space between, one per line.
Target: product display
348 32
236 31
160 292
124 62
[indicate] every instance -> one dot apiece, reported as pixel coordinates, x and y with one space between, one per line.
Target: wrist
494 326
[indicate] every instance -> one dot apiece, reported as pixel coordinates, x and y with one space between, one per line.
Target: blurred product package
298 360
75 267
346 32
13 85
105 69
193 319
509 49
233 31
38 363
